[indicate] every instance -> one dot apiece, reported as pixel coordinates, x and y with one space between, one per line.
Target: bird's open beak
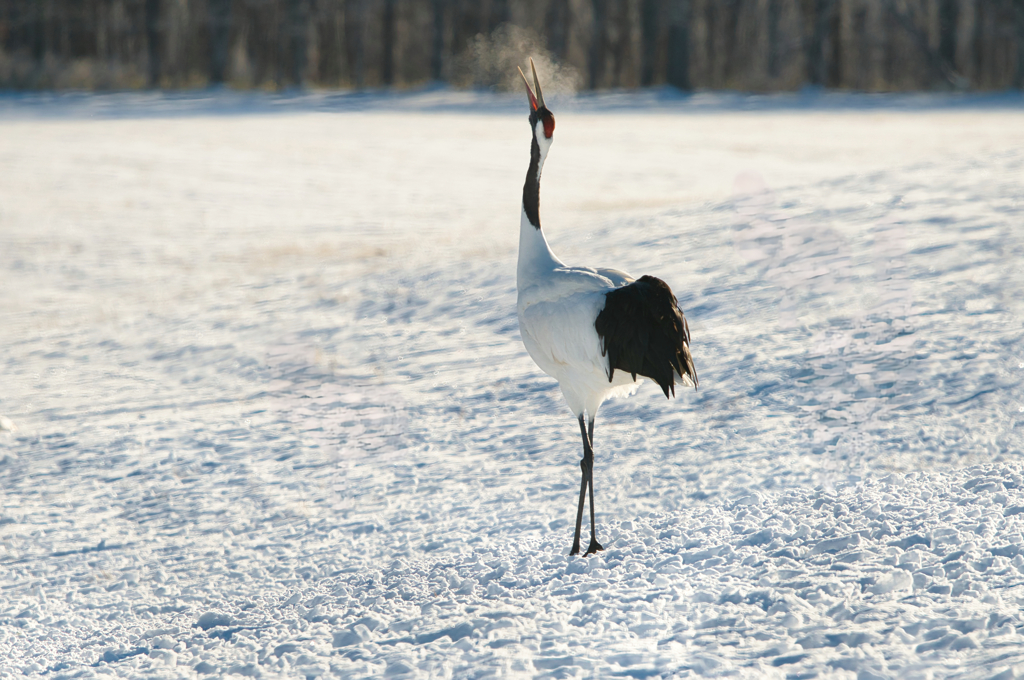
537 101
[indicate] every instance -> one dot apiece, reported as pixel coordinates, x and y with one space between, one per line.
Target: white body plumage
557 307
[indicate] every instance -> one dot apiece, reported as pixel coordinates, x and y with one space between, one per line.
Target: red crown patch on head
549 125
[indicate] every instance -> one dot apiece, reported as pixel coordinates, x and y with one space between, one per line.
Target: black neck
531 190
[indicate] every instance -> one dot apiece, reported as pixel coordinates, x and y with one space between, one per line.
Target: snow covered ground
267 412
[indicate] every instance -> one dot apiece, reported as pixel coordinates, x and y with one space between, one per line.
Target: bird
598 332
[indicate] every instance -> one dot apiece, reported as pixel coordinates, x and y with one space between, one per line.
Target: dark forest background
755 45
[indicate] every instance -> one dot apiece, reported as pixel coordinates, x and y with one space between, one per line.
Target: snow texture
266 410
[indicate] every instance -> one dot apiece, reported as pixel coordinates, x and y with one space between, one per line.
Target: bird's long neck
531 189
535 255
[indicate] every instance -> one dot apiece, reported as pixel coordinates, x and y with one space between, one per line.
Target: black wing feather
643 332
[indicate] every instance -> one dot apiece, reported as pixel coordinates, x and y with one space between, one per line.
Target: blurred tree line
757 45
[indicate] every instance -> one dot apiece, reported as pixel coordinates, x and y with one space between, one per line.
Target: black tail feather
643 332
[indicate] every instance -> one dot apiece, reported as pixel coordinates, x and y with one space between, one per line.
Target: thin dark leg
583 492
594 545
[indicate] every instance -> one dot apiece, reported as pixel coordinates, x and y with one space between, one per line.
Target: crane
598 332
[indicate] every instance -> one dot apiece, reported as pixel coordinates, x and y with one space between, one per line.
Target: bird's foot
593 548
575 549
